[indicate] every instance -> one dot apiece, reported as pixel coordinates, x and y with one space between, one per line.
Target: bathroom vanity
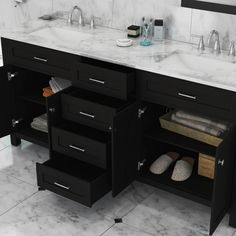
104 131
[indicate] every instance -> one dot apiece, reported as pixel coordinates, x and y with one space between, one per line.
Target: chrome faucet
214 44
81 18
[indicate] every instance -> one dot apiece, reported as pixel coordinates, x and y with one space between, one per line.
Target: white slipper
183 169
163 162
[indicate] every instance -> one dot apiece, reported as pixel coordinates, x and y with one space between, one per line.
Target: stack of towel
40 123
56 85
200 123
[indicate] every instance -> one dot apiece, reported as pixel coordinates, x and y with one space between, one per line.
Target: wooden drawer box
104 78
206 166
168 124
83 143
73 179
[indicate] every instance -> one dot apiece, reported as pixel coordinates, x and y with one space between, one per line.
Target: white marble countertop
102 45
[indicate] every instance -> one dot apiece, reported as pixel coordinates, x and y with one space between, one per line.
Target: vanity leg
15 141
41 189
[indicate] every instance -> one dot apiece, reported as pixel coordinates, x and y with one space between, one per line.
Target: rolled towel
162 163
197 125
185 115
183 169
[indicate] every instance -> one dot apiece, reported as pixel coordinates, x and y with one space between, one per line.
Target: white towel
185 115
197 125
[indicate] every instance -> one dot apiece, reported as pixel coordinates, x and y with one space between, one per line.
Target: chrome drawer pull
40 59
86 114
77 148
187 96
97 81
61 186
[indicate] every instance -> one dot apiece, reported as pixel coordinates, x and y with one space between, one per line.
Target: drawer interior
113 103
75 168
84 131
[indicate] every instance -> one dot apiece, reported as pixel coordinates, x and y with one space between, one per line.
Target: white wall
180 22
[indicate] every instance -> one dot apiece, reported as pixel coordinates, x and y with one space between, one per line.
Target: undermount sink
64 35
199 66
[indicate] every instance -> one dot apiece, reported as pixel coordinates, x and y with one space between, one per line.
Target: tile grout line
107 230
19 179
18 204
138 204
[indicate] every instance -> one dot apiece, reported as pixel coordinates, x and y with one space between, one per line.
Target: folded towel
39 128
197 125
40 123
182 114
58 84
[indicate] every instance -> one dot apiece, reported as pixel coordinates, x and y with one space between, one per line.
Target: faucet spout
81 18
214 44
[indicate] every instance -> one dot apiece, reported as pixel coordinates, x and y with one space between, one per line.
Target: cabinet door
223 183
126 139
53 104
6 97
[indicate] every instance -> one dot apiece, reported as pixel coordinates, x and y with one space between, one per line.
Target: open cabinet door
126 150
223 182
6 97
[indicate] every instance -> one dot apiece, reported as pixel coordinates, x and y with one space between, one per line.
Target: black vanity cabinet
104 131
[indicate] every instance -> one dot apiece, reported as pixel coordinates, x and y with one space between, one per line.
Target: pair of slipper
183 168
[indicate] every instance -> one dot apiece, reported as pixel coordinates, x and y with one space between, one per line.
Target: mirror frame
209 6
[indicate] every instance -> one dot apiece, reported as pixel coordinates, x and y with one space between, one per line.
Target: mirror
224 6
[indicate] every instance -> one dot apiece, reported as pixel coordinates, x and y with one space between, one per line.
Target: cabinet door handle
61 186
86 114
221 162
187 96
40 59
97 81
77 148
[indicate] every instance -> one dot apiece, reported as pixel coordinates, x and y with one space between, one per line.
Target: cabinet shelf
165 136
33 136
196 188
35 97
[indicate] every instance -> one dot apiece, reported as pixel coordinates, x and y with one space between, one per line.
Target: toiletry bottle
158 30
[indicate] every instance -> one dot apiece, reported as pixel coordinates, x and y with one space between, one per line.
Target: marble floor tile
20 161
164 214
125 230
224 229
127 200
46 213
5 141
12 192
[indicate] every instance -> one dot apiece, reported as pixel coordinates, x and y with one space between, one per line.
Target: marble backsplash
180 23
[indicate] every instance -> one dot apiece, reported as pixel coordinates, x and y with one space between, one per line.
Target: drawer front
186 95
37 58
111 82
64 184
79 147
87 113
85 192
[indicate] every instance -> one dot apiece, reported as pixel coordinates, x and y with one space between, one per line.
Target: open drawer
90 109
73 179
83 143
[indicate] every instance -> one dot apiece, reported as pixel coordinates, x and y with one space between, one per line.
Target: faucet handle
92 23
232 51
201 44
